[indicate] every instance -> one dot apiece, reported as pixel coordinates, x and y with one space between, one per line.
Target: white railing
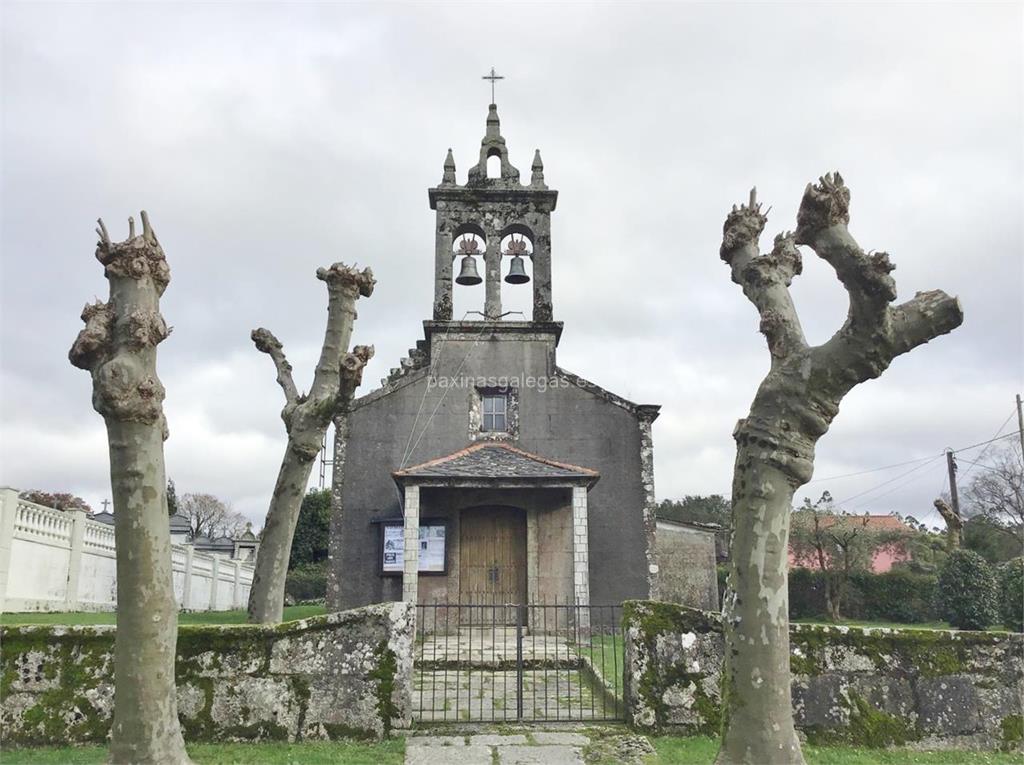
54 560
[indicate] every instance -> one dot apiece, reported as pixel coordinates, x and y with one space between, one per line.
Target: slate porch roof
495 462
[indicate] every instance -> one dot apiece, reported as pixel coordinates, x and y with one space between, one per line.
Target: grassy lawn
109 617
670 750
607 654
390 752
699 750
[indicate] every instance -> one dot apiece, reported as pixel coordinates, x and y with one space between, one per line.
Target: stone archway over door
492 560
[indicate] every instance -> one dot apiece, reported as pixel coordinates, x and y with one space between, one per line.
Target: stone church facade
481 471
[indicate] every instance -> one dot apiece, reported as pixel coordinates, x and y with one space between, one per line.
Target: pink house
884 557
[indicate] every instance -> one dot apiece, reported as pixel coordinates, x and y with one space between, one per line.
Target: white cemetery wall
53 560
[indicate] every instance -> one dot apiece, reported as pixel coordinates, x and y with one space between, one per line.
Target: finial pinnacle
449 168
537 176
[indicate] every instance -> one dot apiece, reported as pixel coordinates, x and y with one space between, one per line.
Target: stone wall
685 558
871 687
343 674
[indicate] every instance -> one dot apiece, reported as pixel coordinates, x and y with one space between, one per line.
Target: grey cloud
266 140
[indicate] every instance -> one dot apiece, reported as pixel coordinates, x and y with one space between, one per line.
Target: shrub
806 593
722 571
307 582
967 591
897 596
1011 594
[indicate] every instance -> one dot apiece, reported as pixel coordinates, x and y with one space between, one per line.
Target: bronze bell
517 272
467 274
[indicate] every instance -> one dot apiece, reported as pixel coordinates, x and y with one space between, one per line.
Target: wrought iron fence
511 662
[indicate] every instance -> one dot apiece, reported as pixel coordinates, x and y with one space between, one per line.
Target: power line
987 446
975 446
891 480
890 491
977 464
874 470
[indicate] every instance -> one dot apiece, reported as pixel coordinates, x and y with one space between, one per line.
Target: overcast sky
267 140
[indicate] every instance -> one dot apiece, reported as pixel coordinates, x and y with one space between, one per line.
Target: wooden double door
492 562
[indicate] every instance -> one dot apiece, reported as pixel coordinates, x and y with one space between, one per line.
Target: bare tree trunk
831 600
794 406
306 418
954 524
118 347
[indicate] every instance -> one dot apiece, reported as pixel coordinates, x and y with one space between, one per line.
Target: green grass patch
607 654
291 613
701 750
389 752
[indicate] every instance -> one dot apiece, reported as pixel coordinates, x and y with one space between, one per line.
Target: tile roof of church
495 460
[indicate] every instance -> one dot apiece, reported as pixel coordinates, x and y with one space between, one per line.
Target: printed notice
431 552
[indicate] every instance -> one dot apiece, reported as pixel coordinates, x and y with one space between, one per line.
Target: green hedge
895 596
1011 594
898 596
307 582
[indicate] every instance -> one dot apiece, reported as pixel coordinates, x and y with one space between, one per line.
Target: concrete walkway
539 748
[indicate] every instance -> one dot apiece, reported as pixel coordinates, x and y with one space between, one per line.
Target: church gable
496 460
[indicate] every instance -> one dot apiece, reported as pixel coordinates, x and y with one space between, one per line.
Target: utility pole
951 464
1020 424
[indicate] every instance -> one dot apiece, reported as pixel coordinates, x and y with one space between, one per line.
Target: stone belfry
487 211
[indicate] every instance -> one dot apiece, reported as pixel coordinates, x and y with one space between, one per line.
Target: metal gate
552 662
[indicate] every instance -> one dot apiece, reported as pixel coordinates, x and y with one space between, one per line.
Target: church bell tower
496 219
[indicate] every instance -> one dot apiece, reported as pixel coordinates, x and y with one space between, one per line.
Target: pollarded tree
118 347
306 417
954 524
793 407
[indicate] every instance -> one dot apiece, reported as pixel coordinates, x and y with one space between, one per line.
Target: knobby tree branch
765 279
117 347
306 418
793 408
266 342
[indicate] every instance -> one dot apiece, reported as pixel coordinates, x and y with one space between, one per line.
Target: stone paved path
538 748
488 646
471 696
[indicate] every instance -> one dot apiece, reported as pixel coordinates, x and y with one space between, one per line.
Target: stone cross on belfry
493 77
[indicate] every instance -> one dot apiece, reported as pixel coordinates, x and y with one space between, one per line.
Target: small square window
495 412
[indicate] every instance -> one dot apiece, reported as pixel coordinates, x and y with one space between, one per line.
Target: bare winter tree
306 418
793 407
997 492
210 516
118 347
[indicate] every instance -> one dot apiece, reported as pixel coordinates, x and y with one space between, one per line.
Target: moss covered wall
871 687
343 674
